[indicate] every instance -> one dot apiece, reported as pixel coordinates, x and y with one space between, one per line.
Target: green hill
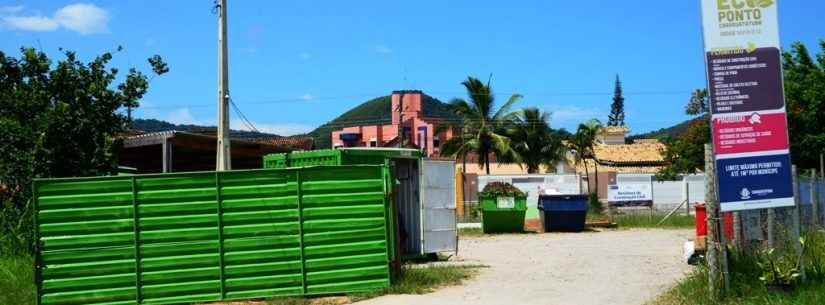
376 112
672 132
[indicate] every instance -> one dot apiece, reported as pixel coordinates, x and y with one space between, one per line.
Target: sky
297 64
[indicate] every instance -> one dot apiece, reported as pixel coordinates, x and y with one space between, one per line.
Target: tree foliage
483 127
616 117
582 143
60 120
534 141
805 100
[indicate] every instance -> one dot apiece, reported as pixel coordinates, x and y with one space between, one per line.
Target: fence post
814 200
715 275
687 195
795 234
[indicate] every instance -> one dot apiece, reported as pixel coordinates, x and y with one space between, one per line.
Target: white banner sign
627 193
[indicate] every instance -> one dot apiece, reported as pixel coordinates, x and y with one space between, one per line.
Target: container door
438 206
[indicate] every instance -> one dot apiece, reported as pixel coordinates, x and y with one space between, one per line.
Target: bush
501 189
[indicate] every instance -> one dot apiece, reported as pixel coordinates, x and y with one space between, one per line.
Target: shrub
501 189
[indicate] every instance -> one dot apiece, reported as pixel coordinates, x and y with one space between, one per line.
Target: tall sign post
751 163
747 102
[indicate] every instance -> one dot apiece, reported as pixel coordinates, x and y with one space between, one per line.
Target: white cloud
305 56
33 23
83 18
307 97
80 17
382 49
183 116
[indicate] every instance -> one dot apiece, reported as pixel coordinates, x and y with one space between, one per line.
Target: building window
436 142
373 143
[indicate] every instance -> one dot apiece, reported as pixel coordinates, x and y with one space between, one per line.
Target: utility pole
224 158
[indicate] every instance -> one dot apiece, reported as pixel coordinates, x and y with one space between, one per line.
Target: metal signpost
749 122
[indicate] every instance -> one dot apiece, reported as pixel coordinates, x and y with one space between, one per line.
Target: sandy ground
607 268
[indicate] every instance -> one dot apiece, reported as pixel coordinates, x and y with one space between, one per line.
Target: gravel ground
627 267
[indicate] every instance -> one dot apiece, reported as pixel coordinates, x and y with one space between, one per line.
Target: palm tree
483 128
582 144
534 141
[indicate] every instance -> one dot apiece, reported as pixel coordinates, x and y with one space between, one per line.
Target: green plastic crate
502 218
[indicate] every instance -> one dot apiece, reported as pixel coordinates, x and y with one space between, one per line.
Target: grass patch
17 280
424 280
748 289
694 291
648 221
410 281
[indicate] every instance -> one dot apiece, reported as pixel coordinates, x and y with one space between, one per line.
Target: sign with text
747 103
630 194
756 132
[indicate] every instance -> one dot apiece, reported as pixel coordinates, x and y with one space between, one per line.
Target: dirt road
608 268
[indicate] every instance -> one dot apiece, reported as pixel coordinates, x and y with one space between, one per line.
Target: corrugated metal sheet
195 237
438 201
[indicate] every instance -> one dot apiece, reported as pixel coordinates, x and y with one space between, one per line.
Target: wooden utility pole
714 255
224 157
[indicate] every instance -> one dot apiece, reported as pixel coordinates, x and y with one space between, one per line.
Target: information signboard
747 103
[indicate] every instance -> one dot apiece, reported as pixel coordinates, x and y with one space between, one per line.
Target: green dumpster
503 208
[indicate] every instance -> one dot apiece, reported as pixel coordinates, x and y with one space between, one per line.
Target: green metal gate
209 236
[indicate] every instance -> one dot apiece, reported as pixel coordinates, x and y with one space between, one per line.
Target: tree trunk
487 163
596 169
587 175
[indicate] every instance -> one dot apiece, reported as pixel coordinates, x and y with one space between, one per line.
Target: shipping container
212 236
423 192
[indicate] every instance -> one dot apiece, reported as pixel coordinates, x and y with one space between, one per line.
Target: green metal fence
209 236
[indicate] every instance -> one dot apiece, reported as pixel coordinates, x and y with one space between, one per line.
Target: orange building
419 129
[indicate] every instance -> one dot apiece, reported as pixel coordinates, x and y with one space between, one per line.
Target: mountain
376 112
153 125
672 132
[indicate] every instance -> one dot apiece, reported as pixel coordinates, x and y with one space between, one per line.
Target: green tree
582 144
805 100
483 127
534 141
58 120
698 103
616 117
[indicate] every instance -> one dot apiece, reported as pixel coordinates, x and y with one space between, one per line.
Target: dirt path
608 268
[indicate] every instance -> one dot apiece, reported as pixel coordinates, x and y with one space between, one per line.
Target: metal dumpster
567 213
502 214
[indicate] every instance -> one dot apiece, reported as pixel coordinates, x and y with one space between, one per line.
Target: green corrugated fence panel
199 237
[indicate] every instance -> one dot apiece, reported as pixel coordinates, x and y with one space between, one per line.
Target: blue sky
297 64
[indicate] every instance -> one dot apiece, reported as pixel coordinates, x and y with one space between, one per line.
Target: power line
337 98
246 121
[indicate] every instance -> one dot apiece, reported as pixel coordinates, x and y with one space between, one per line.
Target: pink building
418 128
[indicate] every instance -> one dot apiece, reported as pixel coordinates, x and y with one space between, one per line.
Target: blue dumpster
566 213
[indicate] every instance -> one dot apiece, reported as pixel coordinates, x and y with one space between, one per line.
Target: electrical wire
245 120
